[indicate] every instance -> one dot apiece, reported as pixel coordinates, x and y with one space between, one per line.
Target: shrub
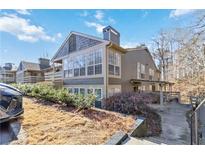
60 95
136 104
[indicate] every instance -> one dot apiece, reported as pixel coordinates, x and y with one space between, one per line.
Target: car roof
9 90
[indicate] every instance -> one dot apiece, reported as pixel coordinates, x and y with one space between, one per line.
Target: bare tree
162 51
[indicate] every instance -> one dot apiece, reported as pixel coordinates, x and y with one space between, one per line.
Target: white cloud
23 29
99 15
84 14
23 12
98 27
111 20
180 12
59 35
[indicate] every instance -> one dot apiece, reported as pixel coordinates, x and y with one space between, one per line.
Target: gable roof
76 41
143 48
31 66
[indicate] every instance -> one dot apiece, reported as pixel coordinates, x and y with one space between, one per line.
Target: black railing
195 119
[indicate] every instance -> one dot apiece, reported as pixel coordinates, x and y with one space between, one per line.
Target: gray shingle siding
75 43
84 42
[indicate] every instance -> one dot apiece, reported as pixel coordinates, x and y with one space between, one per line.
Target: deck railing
53 76
8 79
33 79
197 120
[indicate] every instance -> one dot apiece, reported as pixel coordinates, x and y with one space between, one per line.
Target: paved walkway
175 128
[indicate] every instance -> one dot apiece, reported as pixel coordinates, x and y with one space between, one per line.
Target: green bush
60 95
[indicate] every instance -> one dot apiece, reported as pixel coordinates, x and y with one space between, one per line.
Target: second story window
85 64
142 71
151 74
98 62
76 69
114 63
94 64
70 69
82 65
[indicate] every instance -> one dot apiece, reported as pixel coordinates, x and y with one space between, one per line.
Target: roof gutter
115 46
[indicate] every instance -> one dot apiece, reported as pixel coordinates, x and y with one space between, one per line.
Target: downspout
106 68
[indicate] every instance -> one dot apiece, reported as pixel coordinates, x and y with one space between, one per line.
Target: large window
86 64
90 70
70 69
98 69
83 91
114 63
95 63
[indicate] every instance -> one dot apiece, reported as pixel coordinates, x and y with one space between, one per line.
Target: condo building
101 66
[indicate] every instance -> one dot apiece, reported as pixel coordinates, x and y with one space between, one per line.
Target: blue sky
30 34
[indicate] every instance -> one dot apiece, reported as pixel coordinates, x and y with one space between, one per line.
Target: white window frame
114 59
97 56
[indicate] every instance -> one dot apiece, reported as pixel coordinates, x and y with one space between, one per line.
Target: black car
10 103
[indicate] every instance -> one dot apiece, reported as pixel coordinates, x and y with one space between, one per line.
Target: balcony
33 79
7 79
53 76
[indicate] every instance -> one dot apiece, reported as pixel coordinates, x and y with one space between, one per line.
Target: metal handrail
197 108
194 113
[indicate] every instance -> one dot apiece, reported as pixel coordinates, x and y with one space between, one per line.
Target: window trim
98 57
116 57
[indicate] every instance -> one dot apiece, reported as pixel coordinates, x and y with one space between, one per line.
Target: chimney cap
112 29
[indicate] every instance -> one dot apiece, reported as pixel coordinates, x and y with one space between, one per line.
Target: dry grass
51 124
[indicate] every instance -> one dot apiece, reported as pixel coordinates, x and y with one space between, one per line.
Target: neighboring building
29 72
8 73
93 65
54 75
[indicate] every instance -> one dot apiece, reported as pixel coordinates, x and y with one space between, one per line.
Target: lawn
48 123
